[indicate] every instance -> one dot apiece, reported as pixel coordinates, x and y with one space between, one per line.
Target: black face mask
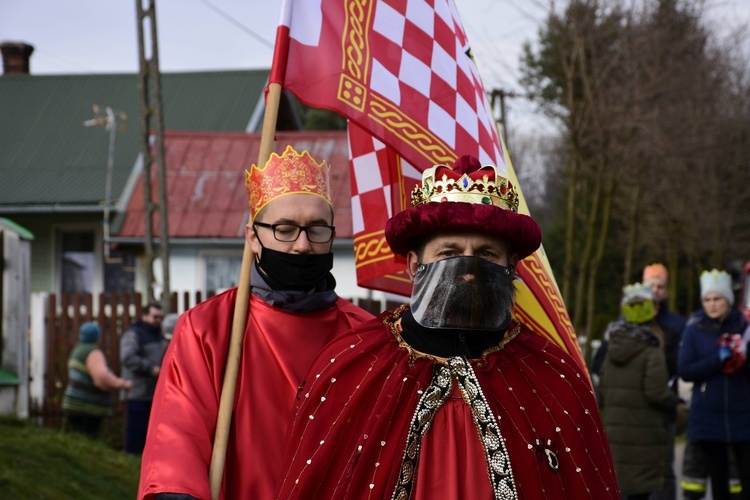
294 271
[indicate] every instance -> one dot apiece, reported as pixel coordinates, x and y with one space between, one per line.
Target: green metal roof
8 378
49 158
22 231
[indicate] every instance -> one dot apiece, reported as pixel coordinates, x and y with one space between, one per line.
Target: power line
238 24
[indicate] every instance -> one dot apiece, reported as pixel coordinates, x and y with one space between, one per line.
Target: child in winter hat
716 281
637 304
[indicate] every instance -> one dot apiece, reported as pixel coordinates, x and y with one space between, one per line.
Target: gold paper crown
290 173
655 270
487 186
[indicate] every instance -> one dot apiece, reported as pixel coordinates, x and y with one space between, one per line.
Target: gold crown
288 173
487 186
655 270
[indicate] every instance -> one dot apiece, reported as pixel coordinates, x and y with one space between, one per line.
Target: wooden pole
224 419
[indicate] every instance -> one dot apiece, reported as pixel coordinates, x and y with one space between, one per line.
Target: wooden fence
113 312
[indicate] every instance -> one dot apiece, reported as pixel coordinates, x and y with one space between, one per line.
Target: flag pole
242 301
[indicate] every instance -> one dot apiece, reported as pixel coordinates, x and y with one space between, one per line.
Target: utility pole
152 123
110 122
500 95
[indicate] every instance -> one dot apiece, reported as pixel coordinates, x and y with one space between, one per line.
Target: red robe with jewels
277 351
357 411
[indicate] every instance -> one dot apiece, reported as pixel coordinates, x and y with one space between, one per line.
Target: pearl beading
498 462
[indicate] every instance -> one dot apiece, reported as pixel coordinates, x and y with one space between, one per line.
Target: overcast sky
100 36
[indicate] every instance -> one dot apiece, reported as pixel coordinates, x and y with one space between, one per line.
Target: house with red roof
53 176
208 211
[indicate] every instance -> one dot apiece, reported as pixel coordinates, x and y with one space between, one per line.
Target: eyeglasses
288 233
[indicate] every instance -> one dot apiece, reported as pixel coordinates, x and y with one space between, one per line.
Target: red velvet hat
467 197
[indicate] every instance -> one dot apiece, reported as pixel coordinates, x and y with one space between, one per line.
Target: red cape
277 350
349 436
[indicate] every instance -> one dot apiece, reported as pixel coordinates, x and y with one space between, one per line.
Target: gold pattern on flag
534 265
419 138
352 92
353 81
371 248
353 89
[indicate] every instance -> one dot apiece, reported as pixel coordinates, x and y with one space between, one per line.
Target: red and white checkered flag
401 69
401 72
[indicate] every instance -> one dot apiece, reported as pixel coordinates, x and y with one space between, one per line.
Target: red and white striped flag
402 73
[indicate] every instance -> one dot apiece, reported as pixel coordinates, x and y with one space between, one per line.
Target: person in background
670 326
636 397
694 480
293 312
167 326
451 397
712 357
89 395
142 348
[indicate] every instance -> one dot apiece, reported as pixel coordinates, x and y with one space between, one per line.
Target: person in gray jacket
142 348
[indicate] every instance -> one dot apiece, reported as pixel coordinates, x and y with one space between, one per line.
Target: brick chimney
16 57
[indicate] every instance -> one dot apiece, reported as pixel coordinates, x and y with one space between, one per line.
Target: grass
41 463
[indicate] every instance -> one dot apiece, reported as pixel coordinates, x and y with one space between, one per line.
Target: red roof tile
206 182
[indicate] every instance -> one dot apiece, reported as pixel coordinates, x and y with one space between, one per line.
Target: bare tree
654 119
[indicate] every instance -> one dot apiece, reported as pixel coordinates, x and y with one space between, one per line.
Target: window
78 261
119 271
222 271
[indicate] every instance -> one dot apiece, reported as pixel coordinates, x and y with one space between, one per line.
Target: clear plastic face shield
463 292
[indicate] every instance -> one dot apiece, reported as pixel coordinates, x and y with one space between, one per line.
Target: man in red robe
293 313
451 397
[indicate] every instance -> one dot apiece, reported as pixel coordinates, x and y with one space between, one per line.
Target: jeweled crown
288 173
487 185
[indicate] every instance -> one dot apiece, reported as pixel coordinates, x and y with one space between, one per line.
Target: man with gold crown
451 397
670 326
293 313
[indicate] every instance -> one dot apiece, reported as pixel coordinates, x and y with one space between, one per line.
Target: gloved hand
724 353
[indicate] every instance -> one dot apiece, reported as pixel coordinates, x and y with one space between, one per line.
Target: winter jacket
142 348
636 400
672 325
82 397
720 405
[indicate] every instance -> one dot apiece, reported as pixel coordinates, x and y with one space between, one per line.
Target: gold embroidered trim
498 461
512 333
430 402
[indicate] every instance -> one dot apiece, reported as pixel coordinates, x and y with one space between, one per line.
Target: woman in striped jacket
89 395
